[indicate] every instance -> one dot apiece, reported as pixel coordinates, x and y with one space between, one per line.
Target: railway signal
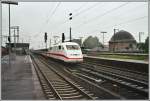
45 38
63 37
70 18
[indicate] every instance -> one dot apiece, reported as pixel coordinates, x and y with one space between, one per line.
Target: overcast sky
89 18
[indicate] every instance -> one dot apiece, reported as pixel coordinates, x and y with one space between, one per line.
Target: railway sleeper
59 87
69 94
58 82
52 99
67 91
63 89
62 85
50 96
74 97
49 92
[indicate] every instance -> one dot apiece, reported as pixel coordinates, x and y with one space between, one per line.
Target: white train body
68 52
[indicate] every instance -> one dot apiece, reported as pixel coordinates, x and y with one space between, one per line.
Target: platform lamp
103 36
9 37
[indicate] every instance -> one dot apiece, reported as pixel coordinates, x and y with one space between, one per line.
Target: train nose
75 55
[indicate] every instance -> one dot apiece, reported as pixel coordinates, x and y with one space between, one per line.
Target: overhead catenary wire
87 9
79 13
101 15
125 22
50 17
120 14
53 12
47 16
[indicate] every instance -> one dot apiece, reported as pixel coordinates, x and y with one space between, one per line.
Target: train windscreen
72 47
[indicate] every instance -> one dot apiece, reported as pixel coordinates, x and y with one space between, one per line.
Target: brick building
122 41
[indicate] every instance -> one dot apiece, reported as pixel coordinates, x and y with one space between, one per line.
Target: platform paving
19 82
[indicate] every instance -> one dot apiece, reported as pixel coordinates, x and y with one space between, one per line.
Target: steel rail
103 89
108 66
116 73
116 80
84 94
67 80
37 68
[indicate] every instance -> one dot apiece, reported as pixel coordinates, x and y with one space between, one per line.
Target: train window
72 47
62 47
59 47
55 48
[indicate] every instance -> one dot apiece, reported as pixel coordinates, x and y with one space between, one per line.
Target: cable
130 10
50 16
80 7
47 16
128 21
81 12
99 16
53 12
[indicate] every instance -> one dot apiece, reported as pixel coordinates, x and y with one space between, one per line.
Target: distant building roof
122 36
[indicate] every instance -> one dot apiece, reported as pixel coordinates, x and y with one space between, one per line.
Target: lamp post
103 36
70 18
140 33
9 37
81 40
55 39
115 40
15 28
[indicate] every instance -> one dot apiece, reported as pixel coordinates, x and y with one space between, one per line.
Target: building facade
19 48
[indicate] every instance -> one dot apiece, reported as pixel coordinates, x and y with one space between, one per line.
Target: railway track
125 86
113 86
121 71
98 91
56 86
126 75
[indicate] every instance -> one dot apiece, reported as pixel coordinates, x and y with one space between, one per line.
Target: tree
78 41
141 46
91 42
146 45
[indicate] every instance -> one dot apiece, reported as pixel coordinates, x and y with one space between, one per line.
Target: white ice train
68 52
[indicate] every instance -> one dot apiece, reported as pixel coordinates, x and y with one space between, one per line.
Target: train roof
67 43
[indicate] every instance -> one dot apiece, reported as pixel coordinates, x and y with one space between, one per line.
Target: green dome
122 36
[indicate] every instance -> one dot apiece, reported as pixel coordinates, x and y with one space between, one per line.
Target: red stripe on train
63 56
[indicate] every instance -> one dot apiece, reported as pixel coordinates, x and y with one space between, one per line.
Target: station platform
19 80
135 65
123 60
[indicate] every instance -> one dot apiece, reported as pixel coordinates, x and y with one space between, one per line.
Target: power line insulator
70 14
70 18
9 38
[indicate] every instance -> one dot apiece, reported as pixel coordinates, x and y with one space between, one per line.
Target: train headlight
74 54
